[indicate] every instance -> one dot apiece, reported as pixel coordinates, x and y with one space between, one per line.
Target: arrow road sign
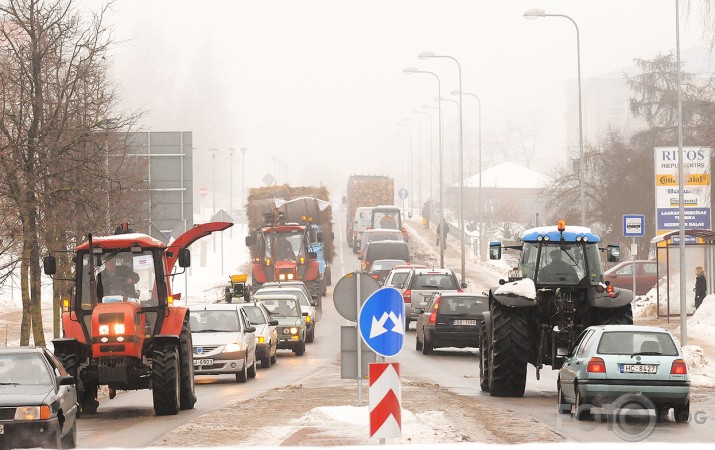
382 321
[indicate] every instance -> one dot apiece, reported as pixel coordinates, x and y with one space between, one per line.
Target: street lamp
430 155
535 14
230 178
431 55
482 255
410 71
213 152
419 161
243 151
408 133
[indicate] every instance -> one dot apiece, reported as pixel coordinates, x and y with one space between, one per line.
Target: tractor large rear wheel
614 316
165 380
484 345
508 353
188 395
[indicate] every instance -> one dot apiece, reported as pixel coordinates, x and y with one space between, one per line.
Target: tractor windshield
121 276
561 263
287 245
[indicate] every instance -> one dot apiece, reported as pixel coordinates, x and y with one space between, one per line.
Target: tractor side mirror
613 253
250 240
50 265
494 250
184 257
312 255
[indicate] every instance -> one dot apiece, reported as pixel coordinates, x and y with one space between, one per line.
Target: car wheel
682 412
70 439
418 344
300 349
311 335
266 362
427 347
407 324
661 414
582 412
562 407
252 370
273 358
242 376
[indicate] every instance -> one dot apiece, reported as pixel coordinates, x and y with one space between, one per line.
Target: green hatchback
291 328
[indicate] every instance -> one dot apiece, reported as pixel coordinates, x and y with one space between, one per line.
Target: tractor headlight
118 328
104 330
290 276
282 276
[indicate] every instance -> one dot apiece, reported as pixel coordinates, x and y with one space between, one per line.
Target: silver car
625 366
422 285
266 334
306 303
223 341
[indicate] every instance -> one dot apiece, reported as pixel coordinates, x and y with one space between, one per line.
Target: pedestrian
425 214
701 288
442 230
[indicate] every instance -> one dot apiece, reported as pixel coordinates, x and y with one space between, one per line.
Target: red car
621 275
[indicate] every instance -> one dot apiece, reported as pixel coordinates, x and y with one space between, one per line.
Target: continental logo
695 179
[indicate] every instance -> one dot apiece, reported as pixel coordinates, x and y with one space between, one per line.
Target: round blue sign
382 321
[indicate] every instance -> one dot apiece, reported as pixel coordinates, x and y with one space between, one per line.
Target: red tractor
281 252
121 328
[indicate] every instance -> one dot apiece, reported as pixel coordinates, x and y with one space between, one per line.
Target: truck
303 215
365 191
555 293
136 338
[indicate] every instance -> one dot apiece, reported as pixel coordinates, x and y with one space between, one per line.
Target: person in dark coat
442 229
701 289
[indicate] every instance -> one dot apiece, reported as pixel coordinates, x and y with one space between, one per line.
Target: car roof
21 349
634 328
279 297
389 260
214 307
443 270
278 284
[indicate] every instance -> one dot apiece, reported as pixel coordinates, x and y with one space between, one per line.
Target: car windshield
472 306
255 315
121 276
287 245
435 281
636 342
386 219
214 320
282 307
24 369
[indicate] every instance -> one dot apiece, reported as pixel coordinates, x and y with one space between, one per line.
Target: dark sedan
450 320
621 275
38 400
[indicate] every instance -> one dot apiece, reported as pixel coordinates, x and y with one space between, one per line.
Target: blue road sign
403 193
382 321
633 225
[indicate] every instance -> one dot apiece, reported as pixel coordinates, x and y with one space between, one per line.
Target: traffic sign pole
359 353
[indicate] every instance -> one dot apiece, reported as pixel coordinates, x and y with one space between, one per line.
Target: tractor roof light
561 225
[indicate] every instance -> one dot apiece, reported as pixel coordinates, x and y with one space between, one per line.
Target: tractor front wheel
165 380
186 358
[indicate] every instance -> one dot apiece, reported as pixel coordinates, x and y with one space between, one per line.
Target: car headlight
230 348
32 412
294 330
286 330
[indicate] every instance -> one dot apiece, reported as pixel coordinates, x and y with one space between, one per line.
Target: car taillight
407 295
678 367
596 365
433 316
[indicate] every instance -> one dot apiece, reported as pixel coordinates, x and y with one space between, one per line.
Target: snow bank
524 287
700 368
647 306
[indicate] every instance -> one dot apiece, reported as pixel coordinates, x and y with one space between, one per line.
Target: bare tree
56 117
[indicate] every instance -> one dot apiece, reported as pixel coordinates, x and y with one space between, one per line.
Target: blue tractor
556 291
315 244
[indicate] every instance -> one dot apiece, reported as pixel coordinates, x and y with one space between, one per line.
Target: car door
249 337
272 333
67 394
647 277
569 371
422 319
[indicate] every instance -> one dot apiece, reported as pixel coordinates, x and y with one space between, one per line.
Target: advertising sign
696 193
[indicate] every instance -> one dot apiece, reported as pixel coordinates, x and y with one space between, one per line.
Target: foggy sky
319 84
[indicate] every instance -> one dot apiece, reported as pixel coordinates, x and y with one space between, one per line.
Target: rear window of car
435 281
398 278
387 250
385 265
472 306
630 342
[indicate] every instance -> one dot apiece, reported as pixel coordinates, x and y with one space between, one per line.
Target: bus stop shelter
698 252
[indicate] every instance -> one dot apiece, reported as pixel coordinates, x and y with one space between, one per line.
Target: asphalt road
128 420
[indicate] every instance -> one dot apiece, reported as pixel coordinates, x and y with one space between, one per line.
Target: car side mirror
305 314
502 281
251 329
463 285
50 265
65 380
273 323
184 257
313 303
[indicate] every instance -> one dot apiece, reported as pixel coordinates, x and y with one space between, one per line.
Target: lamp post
419 161
535 14
410 71
213 152
482 255
431 55
408 133
243 151
230 178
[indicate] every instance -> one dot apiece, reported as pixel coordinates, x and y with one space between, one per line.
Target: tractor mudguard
70 346
164 339
72 328
512 301
622 297
173 321
312 271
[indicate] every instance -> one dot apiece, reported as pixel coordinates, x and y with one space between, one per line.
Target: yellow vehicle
238 288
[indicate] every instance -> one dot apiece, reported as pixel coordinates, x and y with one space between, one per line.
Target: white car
223 341
306 304
266 335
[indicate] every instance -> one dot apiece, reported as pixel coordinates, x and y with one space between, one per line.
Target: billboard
696 193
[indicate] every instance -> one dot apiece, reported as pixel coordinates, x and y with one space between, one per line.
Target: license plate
203 362
465 322
639 368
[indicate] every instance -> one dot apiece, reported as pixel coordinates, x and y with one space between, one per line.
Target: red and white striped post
385 400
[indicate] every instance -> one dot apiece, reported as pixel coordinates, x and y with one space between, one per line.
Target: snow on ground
645 306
